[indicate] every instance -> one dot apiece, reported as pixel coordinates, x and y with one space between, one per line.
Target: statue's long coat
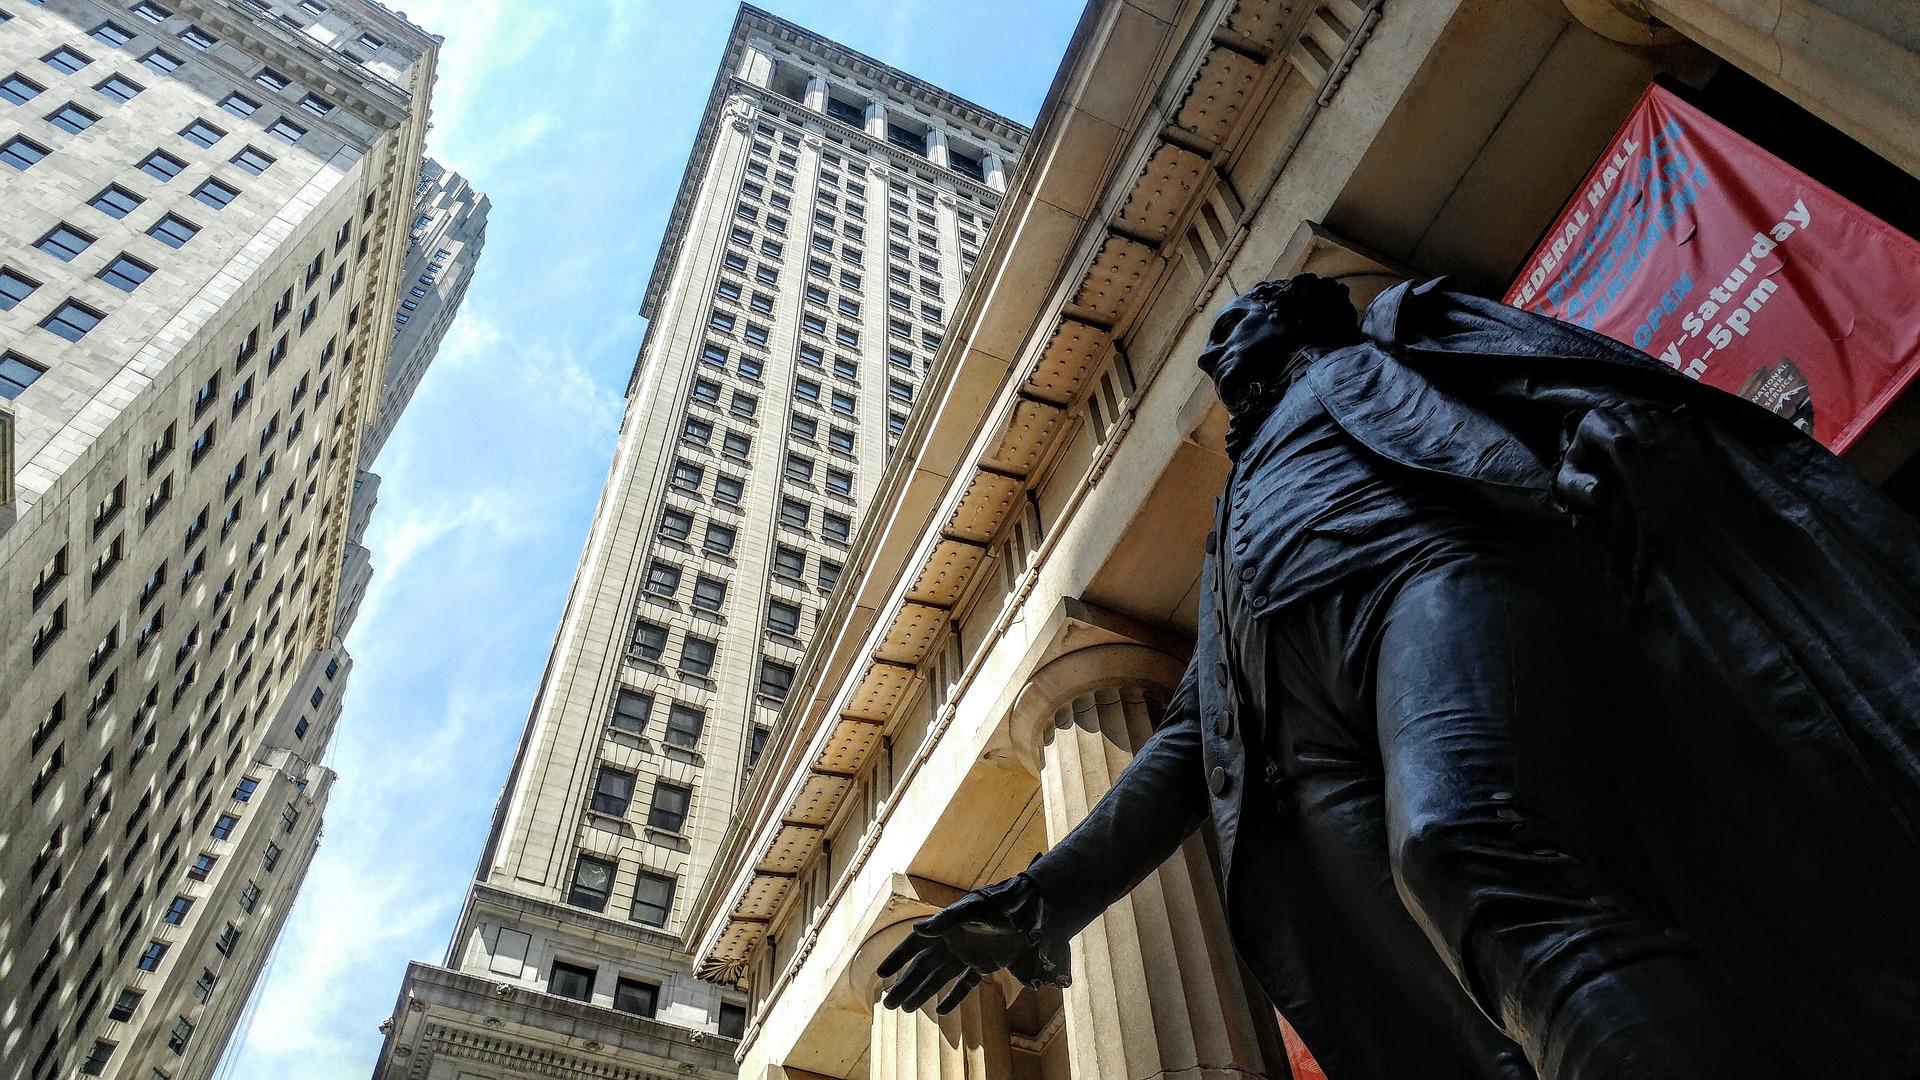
1765 598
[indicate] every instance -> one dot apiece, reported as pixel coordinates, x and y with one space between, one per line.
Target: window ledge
684 754
643 663
702 681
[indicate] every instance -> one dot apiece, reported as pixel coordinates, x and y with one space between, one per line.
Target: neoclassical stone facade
1018 617
204 207
832 210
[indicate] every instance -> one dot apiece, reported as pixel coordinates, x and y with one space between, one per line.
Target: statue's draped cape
1767 602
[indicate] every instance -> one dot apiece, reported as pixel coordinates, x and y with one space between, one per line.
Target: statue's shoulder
1398 413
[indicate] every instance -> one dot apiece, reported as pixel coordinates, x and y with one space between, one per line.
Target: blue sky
575 116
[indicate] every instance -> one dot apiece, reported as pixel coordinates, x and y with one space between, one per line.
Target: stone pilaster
969 1043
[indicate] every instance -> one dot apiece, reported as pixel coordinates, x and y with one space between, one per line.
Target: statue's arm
1025 922
1157 802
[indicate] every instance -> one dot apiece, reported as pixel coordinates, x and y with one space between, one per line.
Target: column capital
1104 666
1626 21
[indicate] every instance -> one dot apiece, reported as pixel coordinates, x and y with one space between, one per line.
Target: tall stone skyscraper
831 210
204 212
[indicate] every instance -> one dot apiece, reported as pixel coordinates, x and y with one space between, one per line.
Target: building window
178 1036
727 489
72 321
223 826
696 655
840 440
668 810
744 405
161 62
755 334
316 105
687 476
216 194
843 402
750 367
845 368
803 428
757 744
775 679
14 288
125 1005
799 469
253 160
240 105
720 538
733 1020
286 130
806 390
201 133
783 618
633 996
736 445
899 391
571 980
177 911
270 858
116 202
198 38
16 374
229 938
791 562
173 231
72 119
66 60
709 593
245 789
649 640
829 574
612 791
150 958
203 987
592 883
64 242
675 524
839 482
126 273
663 579
684 724
631 710
653 898
706 391
795 513
835 527
19 90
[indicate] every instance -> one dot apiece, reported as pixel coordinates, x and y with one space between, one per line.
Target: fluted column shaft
1156 990
969 1043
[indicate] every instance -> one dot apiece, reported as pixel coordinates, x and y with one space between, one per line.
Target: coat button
1217 781
1247 572
1223 721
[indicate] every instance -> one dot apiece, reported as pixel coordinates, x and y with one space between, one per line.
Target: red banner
1690 243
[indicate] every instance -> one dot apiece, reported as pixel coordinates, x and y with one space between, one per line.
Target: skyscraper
830 212
204 207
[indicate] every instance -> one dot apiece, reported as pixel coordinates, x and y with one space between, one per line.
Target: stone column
756 66
877 119
996 171
937 147
1156 990
969 1043
816 94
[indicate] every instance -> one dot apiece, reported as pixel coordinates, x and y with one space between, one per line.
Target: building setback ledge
450 1014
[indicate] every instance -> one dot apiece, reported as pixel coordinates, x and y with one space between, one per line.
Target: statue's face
1247 345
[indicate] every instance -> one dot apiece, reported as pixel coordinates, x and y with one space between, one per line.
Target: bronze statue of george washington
1558 716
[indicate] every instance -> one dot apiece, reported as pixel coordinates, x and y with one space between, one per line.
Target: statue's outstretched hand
999 926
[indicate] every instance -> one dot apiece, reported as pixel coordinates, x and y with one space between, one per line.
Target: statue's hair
1318 306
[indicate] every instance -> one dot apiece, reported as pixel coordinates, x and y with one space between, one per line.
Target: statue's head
1257 336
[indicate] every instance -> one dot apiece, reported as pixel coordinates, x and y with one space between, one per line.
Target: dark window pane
653 898
162 166
649 640
631 710
683 725
630 995
571 980
72 321
216 194
126 273
696 656
116 202
612 791
173 231
14 288
668 810
592 883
